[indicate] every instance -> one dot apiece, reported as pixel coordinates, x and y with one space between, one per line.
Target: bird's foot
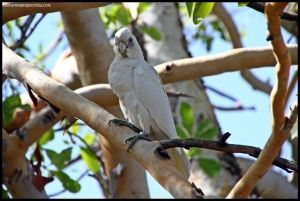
141 136
120 122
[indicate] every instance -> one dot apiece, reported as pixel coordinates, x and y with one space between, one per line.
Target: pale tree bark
17 173
165 17
273 185
93 54
98 119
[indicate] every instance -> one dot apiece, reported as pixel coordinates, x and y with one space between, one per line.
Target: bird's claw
134 139
120 122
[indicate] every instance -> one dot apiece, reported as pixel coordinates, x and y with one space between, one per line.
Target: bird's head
126 45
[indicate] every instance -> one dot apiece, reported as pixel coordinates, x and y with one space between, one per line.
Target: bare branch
261 8
233 60
239 107
14 10
24 35
226 18
52 46
281 125
230 148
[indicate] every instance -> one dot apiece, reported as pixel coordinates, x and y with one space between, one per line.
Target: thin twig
239 107
24 35
178 94
52 46
261 8
231 148
221 93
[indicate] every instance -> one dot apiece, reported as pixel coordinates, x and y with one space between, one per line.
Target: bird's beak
122 47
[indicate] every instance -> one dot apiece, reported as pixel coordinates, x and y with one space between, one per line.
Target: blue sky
247 127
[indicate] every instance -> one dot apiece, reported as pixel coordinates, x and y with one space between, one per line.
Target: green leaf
210 133
142 7
210 166
90 160
46 137
59 159
68 183
202 10
9 105
75 128
241 4
202 127
190 6
123 15
194 152
217 26
180 132
151 31
187 116
89 138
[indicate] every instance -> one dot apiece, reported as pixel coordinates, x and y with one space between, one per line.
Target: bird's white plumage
143 100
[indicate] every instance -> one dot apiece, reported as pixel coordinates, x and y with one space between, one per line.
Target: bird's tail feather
180 161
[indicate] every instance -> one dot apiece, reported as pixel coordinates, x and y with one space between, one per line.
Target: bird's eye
130 42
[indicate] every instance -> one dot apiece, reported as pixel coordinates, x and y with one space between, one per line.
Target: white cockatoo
142 97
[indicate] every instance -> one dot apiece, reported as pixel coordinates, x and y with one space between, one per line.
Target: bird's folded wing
149 90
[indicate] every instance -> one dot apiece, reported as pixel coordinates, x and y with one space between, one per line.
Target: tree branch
261 8
192 68
226 18
14 10
24 28
281 126
239 107
52 46
17 173
232 60
230 148
98 119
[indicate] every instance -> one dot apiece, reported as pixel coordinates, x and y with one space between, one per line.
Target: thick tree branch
14 10
197 67
230 148
98 119
226 18
17 174
281 126
232 60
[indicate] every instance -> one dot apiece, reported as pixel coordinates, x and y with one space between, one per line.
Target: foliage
188 127
240 4
68 183
117 15
199 10
9 106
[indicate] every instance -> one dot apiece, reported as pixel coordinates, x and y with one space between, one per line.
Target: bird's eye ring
130 40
